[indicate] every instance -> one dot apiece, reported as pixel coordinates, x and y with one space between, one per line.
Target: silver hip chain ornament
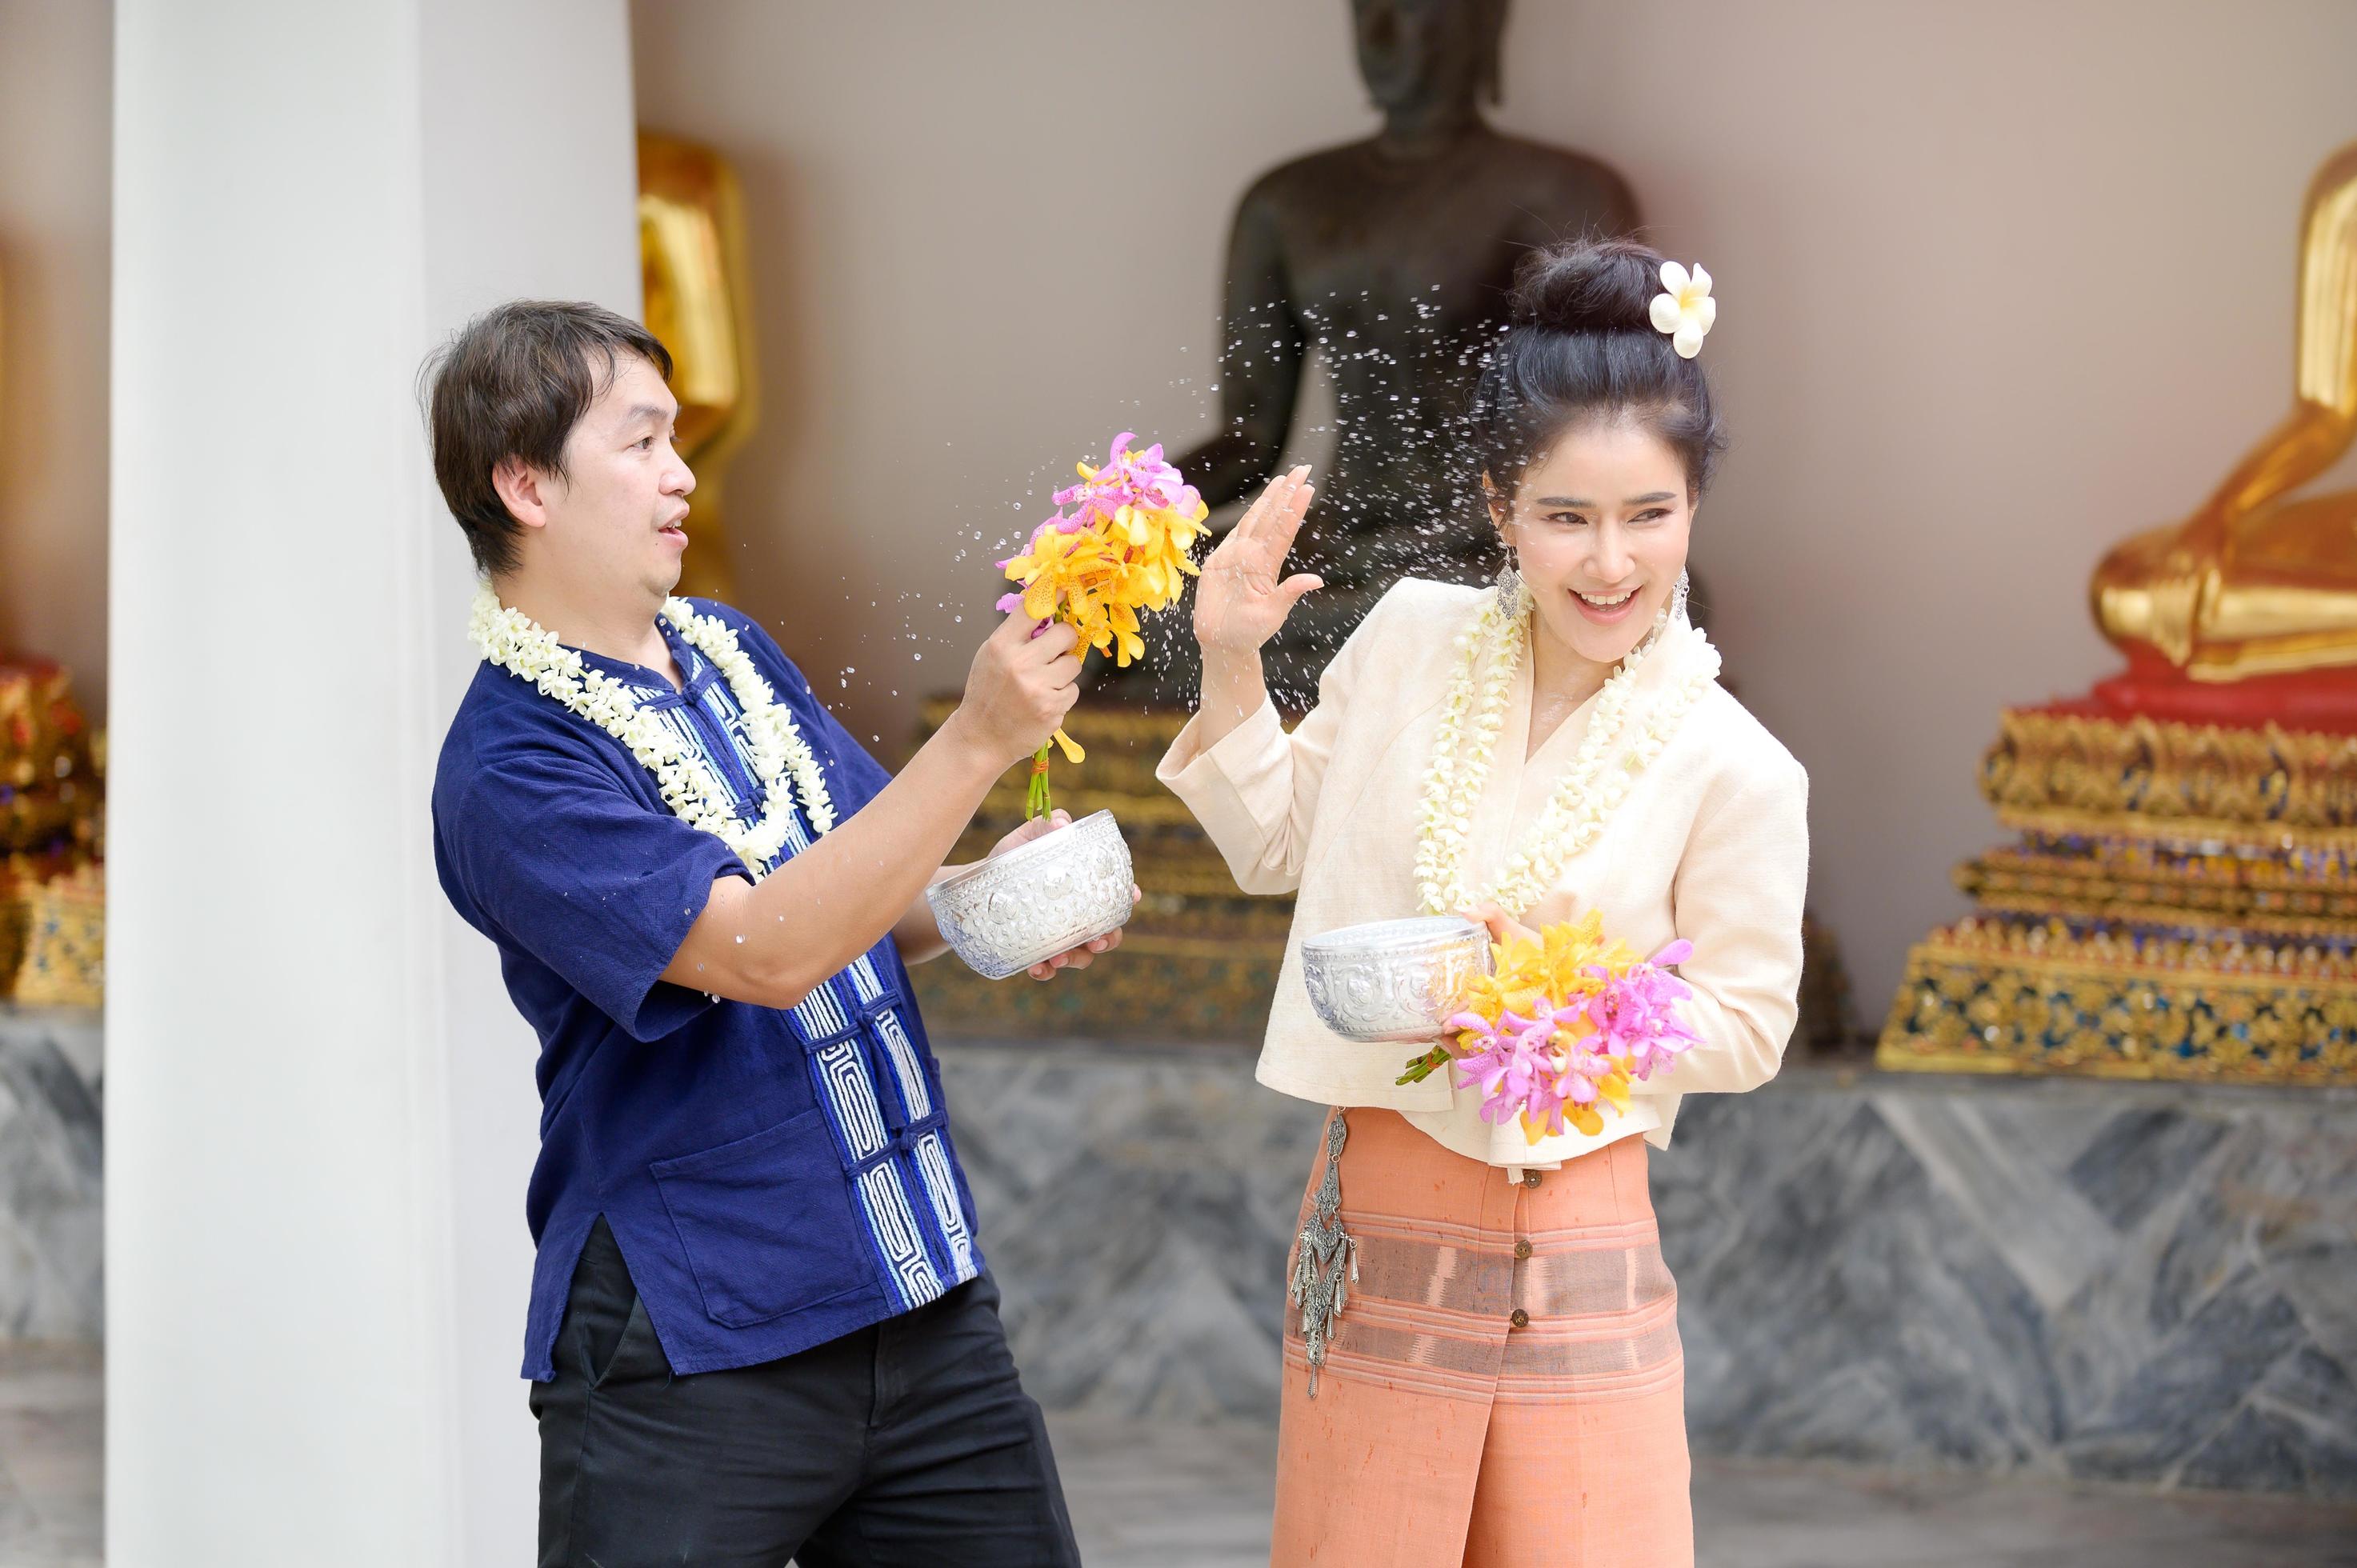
1324 1257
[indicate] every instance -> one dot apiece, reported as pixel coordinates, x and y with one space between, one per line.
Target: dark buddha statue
1392 257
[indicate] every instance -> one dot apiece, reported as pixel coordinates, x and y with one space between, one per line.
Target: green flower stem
1036 803
1424 1066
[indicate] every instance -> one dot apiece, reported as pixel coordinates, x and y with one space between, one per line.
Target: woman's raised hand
1240 603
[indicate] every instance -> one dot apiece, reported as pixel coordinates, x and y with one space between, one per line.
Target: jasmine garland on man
761 1324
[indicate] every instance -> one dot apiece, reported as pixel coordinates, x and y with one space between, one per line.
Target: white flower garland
521 646
1584 799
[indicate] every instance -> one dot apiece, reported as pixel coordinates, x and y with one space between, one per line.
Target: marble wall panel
50 1205
1137 1208
2146 1283
2149 1283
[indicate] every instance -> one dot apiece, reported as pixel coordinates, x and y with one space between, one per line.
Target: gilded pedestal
2181 903
52 895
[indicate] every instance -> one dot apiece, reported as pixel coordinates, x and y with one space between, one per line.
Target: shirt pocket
767 1222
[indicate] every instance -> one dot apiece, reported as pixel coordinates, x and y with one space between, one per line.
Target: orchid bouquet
1563 1028
1124 545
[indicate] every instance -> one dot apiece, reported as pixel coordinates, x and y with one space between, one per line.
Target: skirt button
1521 1319
1522 1248
1530 1178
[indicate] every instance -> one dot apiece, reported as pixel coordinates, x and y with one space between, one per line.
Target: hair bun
1588 286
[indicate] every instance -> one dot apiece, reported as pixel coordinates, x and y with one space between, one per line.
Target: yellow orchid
1612 1087
1126 546
1566 1021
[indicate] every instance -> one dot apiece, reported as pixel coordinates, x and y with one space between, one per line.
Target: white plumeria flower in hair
1686 312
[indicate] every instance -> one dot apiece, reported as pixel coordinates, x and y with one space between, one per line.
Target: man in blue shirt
760 1324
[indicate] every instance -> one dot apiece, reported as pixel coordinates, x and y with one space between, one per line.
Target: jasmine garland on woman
1501 1381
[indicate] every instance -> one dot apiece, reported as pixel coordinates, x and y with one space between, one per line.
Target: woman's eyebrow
1655 499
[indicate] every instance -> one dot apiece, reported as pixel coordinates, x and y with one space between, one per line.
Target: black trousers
909 1443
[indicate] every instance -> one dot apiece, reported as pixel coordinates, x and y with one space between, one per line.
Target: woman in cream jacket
1485 1366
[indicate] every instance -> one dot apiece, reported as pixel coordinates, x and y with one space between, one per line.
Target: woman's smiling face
1601 524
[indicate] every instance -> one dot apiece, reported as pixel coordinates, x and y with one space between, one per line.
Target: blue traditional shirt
776 1177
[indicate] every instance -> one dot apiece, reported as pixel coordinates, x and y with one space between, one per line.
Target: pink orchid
1635 1015
1580 1069
1129 478
1585 1063
1567 1058
1511 1062
1529 1066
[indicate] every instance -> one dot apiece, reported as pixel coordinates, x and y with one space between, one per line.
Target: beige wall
55 94
2001 283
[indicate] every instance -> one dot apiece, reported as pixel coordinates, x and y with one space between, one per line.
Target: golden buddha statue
2181 899
691 253
2259 583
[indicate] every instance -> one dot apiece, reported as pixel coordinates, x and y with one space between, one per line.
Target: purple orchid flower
1508 1066
1528 1065
1140 479
1635 1017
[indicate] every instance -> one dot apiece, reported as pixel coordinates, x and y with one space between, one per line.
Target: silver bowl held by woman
1394 980
1064 888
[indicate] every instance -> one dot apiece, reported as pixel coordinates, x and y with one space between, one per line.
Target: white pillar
319 1103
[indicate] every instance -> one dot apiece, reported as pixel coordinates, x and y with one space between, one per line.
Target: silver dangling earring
1512 599
1668 614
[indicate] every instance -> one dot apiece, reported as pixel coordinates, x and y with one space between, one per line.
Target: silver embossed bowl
1392 980
1004 914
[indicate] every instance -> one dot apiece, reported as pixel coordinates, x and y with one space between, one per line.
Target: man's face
618 514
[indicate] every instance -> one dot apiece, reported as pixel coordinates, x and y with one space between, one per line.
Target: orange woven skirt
1502 1386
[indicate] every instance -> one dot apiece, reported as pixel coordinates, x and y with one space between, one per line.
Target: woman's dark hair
513 383
1580 345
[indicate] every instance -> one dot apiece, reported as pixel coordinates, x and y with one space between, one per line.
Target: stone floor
52 1448
1163 1495
1199 1497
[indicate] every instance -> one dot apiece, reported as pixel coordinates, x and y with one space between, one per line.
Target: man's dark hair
513 383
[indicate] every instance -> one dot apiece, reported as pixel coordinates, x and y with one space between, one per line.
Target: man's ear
520 486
